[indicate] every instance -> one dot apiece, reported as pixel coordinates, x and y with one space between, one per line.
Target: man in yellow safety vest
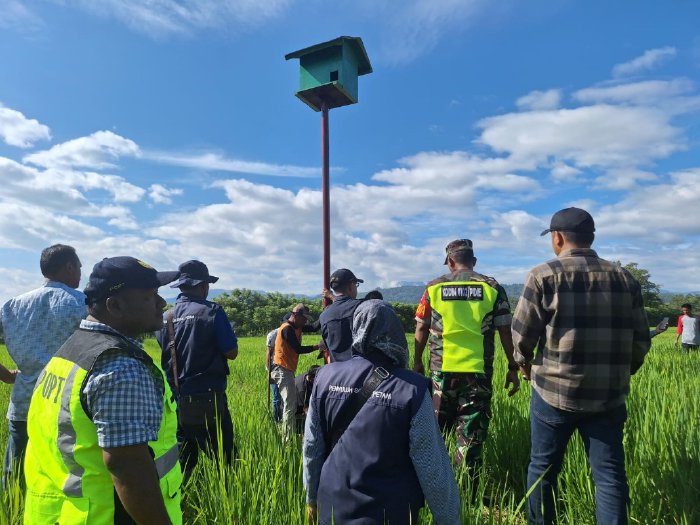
102 420
458 315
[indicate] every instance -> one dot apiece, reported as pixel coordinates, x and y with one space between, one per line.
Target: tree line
256 313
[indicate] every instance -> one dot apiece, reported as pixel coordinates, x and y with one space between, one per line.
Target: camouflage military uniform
462 400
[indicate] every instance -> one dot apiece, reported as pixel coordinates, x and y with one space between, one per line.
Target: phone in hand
663 325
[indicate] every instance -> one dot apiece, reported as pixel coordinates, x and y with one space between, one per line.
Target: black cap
193 273
571 220
341 277
460 245
113 274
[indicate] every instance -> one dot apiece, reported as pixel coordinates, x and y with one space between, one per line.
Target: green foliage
265 487
256 313
650 290
407 315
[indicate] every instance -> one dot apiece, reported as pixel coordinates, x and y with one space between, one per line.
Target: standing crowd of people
107 435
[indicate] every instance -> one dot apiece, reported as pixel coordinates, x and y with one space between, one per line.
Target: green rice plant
264 486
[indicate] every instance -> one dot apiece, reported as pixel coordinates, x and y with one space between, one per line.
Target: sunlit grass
662 440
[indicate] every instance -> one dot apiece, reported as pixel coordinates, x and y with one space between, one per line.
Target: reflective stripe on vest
67 440
67 480
462 306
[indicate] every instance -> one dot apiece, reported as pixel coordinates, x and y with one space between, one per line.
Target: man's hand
525 371
312 514
418 367
8 376
327 295
513 381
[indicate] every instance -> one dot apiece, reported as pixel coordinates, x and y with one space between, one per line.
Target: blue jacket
368 478
336 326
203 334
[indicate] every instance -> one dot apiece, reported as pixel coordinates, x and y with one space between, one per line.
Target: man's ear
557 241
114 306
473 261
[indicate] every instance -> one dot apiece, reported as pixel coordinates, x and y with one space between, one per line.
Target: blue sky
169 130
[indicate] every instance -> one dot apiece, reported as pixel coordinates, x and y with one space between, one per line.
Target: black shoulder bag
194 409
355 402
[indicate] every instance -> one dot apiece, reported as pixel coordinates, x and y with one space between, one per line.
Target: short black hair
463 257
374 294
687 305
583 239
56 257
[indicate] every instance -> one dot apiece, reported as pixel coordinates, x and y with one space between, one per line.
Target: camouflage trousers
462 401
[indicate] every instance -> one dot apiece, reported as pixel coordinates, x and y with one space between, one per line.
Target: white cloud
18 130
216 162
638 93
452 169
163 17
411 28
96 151
16 15
669 207
647 61
162 195
562 172
32 227
540 100
601 135
623 179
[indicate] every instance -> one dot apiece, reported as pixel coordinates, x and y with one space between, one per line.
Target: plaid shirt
586 315
124 396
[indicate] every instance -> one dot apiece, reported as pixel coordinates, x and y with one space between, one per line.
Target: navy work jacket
368 477
203 334
336 326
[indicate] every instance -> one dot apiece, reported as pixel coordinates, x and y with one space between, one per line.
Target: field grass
662 441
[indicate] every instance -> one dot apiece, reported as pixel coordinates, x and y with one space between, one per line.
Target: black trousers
193 438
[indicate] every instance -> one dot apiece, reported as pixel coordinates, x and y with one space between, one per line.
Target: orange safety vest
285 356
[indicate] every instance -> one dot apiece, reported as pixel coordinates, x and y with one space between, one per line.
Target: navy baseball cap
573 220
193 273
113 274
460 245
342 277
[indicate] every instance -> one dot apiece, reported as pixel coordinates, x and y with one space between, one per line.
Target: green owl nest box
329 71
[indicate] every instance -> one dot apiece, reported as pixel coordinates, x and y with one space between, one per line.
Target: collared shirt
36 324
124 397
586 316
499 317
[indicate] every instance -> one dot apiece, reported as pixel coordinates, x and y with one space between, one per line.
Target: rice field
662 443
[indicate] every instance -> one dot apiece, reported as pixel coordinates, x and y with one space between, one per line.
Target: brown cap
303 310
459 245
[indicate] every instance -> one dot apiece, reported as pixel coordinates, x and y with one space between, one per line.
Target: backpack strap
355 402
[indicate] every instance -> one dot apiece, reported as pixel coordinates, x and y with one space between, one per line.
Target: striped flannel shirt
586 316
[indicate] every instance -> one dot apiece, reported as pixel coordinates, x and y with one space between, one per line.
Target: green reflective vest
67 481
462 305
